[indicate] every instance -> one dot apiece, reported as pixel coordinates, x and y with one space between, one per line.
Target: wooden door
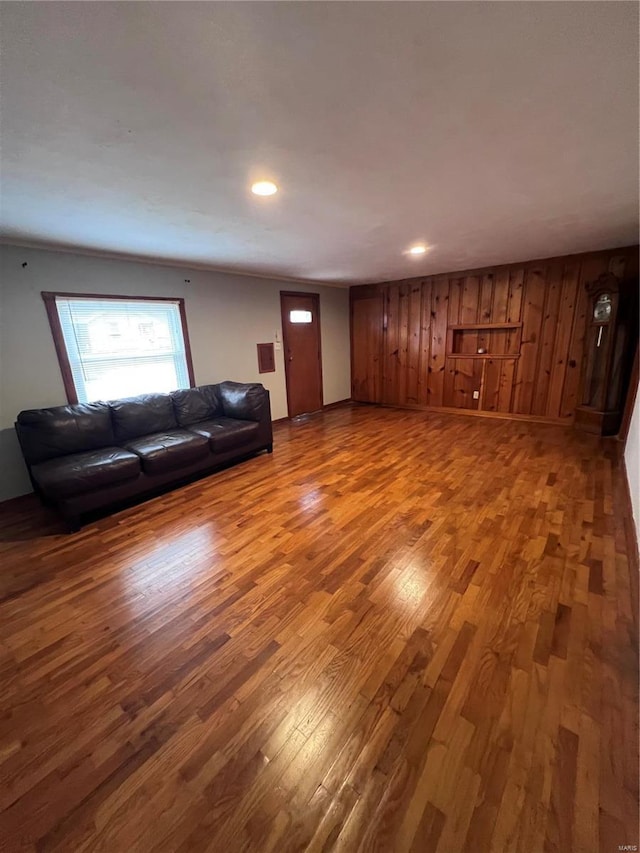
302 352
366 349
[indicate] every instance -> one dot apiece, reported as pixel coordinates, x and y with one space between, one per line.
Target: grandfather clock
610 340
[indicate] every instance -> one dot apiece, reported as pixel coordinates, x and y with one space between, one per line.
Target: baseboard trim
336 404
450 410
15 503
328 406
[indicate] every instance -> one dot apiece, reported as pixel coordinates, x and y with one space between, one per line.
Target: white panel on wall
632 462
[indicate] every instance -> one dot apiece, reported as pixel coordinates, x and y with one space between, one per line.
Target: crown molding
161 262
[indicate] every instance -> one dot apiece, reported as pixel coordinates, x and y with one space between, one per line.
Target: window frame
49 298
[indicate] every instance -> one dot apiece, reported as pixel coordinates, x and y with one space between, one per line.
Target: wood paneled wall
408 348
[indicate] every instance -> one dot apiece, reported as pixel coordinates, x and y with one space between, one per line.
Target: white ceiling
494 132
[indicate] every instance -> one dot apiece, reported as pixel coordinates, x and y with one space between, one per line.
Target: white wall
632 462
227 316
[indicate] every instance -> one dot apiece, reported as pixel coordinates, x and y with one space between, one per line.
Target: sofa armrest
245 401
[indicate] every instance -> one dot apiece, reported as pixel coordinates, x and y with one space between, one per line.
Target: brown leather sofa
93 455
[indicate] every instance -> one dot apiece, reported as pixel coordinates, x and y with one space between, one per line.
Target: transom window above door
116 346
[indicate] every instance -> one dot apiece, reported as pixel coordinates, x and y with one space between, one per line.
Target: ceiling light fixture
264 188
418 250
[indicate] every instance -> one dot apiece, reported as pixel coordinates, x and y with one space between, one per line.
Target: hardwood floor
401 632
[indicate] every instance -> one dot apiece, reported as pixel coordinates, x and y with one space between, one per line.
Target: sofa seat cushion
162 451
85 472
226 434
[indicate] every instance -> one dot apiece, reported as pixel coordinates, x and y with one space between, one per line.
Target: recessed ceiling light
420 249
264 188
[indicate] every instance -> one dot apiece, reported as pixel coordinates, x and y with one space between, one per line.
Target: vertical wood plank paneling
486 298
437 366
617 265
449 393
478 374
425 343
470 309
568 302
514 308
402 369
498 384
631 264
462 378
391 344
463 382
469 305
501 297
485 309
496 343
516 291
507 378
542 380
533 301
571 387
455 299
491 385
551 297
366 326
414 332
590 269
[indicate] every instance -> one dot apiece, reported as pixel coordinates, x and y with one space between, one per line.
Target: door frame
316 305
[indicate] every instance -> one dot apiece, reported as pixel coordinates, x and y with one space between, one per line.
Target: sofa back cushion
142 415
48 433
246 401
193 405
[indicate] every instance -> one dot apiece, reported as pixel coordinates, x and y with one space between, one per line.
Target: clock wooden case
610 342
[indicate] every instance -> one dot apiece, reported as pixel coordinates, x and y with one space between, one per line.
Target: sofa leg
269 448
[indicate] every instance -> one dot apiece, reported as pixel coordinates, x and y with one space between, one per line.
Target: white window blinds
122 347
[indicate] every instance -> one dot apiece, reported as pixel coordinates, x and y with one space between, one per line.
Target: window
298 316
116 346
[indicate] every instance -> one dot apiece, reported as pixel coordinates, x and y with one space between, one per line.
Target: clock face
602 308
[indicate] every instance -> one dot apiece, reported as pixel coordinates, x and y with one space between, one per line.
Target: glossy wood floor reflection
401 632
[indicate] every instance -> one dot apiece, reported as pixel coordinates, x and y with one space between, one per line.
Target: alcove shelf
464 327
494 355
495 340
